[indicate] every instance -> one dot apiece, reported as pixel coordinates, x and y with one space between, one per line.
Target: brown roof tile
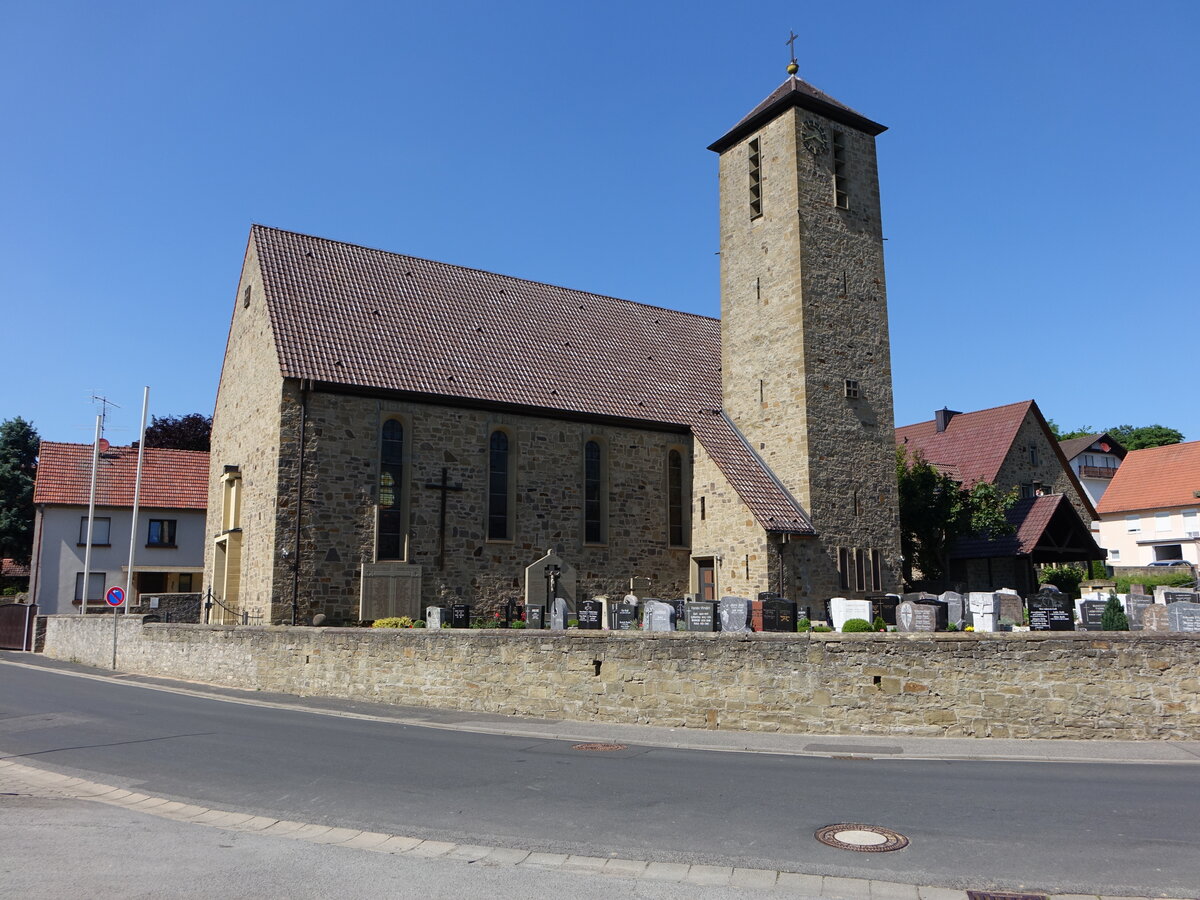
1030 517
10 568
171 479
1155 478
352 316
974 444
1072 447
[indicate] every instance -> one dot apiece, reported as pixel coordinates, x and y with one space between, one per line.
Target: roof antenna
793 67
105 403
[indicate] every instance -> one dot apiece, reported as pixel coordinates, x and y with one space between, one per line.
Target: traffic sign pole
114 597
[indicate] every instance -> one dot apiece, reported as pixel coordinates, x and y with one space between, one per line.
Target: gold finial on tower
793 67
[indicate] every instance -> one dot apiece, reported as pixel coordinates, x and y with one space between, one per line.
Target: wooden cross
445 486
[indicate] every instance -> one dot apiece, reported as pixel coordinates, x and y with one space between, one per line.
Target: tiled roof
795 92
974 443
1072 447
1155 478
10 568
352 316
1030 517
171 479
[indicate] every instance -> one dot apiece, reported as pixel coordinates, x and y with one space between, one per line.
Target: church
394 427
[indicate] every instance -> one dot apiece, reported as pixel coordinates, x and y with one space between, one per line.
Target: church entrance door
706 579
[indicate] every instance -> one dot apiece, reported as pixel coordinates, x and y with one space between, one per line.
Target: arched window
499 514
675 498
593 497
391 491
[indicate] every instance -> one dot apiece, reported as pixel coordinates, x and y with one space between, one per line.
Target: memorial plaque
701 615
1184 615
626 618
779 615
912 616
460 615
535 615
1155 618
1135 606
1050 611
1091 613
559 613
734 614
591 615
841 610
756 615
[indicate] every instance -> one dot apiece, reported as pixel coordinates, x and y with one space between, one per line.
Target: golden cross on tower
792 67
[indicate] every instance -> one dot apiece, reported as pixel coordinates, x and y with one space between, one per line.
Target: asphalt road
1057 827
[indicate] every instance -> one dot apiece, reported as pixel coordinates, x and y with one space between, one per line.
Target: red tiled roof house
169 545
433 429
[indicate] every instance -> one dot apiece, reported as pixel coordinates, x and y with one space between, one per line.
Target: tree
1140 437
1060 435
18 465
190 432
1113 618
935 511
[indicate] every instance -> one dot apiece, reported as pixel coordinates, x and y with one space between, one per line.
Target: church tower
806 367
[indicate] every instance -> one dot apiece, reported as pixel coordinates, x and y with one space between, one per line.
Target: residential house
169 550
1013 448
1094 459
1151 510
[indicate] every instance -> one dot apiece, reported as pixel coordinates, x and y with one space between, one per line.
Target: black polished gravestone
506 614
700 615
1183 615
589 614
734 615
535 615
778 614
883 606
1170 597
679 612
1050 611
1091 615
460 615
626 617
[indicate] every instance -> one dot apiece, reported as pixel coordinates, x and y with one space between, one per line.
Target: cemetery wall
1031 685
341 483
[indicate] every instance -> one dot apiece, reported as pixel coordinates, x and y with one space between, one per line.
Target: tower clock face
816 141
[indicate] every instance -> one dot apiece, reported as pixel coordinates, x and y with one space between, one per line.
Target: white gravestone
656 615
433 616
841 610
985 610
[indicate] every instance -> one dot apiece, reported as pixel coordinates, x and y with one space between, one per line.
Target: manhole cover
863 838
1000 895
600 748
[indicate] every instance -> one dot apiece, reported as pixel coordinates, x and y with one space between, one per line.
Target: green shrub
853 625
517 624
393 622
821 628
803 625
1113 618
1065 578
952 627
879 624
418 623
1170 579
572 623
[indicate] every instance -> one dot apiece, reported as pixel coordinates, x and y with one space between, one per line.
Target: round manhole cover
863 838
599 748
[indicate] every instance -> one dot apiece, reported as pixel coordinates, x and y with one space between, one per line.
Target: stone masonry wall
341 483
1019 469
1066 685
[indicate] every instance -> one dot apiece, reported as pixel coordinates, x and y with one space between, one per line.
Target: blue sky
1039 177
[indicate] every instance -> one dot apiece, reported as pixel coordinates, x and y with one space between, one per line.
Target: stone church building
399 427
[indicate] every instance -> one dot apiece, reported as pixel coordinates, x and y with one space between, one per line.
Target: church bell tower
806 365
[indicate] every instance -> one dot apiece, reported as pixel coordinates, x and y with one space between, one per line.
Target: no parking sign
115 596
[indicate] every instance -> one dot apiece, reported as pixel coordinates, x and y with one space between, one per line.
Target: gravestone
779 615
1012 607
940 611
656 615
460 615
767 595
701 615
591 615
679 613
1155 618
548 578
1137 588
734 614
1091 613
1184 615
535 615
954 608
508 612
985 610
756 615
1050 611
625 616
1176 595
842 609
1135 607
559 613
911 616
435 616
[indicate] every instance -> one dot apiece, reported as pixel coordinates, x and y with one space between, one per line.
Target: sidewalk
826 745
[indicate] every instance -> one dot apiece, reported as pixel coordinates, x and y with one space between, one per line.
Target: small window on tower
852 390
755 180
841 196
246 297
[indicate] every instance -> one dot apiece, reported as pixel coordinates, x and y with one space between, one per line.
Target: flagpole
87 553
133 526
